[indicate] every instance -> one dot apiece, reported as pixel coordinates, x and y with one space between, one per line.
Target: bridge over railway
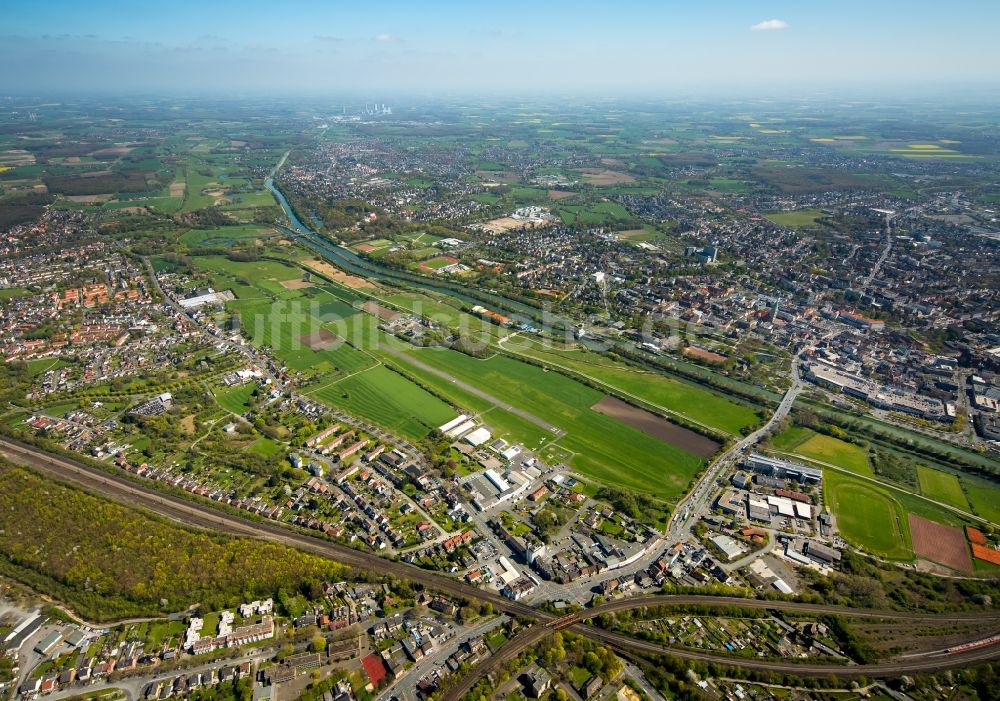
119 486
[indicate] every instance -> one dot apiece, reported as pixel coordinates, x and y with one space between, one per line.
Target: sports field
942 487
600 447
818 446
699 403
868 516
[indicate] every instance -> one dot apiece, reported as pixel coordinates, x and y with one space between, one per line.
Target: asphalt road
121 488
405 687
697 499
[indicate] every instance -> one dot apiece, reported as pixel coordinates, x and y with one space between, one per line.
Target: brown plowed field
320 340
657 427
942 544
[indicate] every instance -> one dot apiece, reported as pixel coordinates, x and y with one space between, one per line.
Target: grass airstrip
359 374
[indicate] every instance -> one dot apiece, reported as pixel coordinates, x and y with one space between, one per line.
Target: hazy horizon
632 48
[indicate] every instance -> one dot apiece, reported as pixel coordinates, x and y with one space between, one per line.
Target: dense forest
109 561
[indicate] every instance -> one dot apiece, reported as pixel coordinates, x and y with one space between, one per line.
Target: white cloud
386 37
768 25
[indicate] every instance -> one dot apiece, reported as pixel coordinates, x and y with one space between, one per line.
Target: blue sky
501 46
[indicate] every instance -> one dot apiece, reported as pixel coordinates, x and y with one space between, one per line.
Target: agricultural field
600 447
939 543
818 446
925 150
868 516
698 403
941 486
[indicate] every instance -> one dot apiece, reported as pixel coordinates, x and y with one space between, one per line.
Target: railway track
190 513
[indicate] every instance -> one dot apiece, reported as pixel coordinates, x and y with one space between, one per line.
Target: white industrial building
457 421
461 429
477 437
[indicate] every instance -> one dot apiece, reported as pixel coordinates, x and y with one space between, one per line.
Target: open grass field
39 366
283 326
225 236
235 399
198 177
598 446
645 234
797 219
502 423
388 399
265 275
984 497
12 292
941 486
868 516
243 200
699 403
342 375
591 214
265 447
818 446
438 309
